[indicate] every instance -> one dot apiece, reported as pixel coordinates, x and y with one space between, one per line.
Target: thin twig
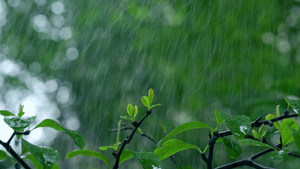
270 122
128 139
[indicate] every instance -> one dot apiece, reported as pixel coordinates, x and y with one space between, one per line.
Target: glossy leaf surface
149 160
88 153
232 148
295 104
296 136
182 128
47 156
76 136
286 134
173 146
252 142
19 123
239 125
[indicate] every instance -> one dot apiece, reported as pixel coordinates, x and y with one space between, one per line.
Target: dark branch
249 161
270 122
128 139
12 152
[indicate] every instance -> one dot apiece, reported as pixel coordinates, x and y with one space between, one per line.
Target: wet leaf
252 142
149 160
126 155
88 153
239 125
173 146
6 113
279 155
255 134
76 136
296 136
218 118
19 123
276 124
145 101
182 128
130 110
150 96
34 161
3 155
232 148
49 123
286 134
295 104
47 156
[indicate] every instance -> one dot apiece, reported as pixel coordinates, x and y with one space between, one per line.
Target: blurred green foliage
198 56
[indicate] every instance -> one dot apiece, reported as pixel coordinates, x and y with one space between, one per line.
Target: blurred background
82 62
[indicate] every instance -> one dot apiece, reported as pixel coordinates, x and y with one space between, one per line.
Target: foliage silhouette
243 130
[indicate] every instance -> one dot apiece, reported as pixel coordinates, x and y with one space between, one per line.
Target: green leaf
35 162
296 136
276 124
279 155
126 155
3 155
239 125
255 134
47 156
49 123
149 160
130 110
155 105
18 123
145 101
218 118
252 142
108 147
76 136
182 128
21 112
55 166
135 112
6 113
232 148
286 134
173 146
150 96
295 104
88 153
125 117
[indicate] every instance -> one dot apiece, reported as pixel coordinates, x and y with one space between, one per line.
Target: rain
81 63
